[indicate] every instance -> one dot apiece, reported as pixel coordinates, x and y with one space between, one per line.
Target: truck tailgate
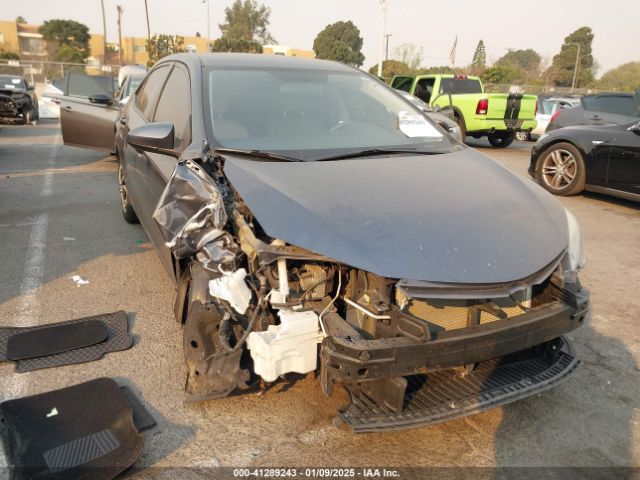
511 106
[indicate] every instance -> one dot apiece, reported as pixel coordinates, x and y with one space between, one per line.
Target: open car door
88 112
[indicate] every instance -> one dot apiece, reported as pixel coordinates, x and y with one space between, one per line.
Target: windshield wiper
258 154
371 152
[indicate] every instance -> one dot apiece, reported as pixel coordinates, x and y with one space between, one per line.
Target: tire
27 117
560 169
463 126
125 203
522 136
502 139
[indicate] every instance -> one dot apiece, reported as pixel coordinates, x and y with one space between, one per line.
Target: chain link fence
539 89
42 72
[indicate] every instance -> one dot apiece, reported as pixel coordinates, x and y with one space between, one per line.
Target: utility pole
104 35
146 10
208 28
385 4
574 82
120 10
386 37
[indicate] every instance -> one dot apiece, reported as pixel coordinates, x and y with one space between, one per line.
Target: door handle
68 108
595 117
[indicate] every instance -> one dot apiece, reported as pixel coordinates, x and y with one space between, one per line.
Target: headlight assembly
574 259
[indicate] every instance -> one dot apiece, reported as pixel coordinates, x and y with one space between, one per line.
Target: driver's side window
147 97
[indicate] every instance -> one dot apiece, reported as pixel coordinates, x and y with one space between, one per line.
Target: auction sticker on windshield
416 126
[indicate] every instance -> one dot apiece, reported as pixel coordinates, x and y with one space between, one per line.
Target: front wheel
561 169
127 209
501 139
522 136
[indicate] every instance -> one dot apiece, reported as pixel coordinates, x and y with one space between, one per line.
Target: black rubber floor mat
444 395
81 432
118 339
141 417
40 342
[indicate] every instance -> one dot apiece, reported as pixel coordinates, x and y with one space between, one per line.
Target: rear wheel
127 210
561 169
463 127
522 136
501 139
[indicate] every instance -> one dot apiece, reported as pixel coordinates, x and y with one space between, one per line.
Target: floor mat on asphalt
85 431
118 338
52 339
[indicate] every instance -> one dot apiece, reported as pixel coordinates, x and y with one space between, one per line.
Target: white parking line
28 309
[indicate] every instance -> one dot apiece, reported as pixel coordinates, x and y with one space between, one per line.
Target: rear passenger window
618 105
175 106
403 83
147 98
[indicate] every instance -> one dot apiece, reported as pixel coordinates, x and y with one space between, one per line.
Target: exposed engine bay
255 308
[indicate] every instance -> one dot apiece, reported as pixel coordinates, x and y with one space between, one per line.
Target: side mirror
153 137
101 99
31 87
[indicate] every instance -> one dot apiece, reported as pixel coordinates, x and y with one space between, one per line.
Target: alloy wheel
559 169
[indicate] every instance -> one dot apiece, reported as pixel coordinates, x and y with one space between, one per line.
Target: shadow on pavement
583 428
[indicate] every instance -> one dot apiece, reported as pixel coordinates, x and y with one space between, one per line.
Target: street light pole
386 53
383 34
120 10
208 28
574 82
146 10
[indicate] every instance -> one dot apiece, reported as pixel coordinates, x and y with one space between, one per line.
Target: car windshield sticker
15 81
9 86
413 125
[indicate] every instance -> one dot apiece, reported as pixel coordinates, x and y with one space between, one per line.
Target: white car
547 106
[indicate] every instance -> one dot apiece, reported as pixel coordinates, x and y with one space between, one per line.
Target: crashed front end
408 352
13 106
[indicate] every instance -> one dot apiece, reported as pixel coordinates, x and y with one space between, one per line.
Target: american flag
452 55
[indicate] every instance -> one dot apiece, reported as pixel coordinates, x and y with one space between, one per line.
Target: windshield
310 114
11 82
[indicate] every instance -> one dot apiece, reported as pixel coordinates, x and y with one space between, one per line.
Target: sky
432 26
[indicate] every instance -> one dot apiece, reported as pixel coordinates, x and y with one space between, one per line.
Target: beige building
26 41
287 51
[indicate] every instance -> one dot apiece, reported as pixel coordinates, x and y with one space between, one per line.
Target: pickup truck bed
495 115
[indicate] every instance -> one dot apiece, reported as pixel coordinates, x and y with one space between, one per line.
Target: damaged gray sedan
315 221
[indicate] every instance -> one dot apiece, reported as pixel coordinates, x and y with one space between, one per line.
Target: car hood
454 218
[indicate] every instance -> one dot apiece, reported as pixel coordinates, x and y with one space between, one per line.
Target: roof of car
246 60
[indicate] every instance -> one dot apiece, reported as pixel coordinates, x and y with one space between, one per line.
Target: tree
409 55
526 61
479 62
247 20
340 41
159 46
67 40
237 45
564 62
625 77
391 68
435 70
21 19
502 75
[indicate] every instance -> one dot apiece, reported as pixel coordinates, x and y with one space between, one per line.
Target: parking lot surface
60 217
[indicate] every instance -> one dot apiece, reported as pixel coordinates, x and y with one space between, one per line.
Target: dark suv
599 109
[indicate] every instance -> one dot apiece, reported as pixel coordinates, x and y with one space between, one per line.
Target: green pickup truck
497 115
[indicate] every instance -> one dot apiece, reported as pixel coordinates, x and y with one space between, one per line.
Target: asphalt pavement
60 217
